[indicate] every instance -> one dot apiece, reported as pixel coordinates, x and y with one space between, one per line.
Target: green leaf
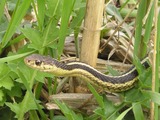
112 71
5 79
70 114
100 112
79 4
7 83
77 20
28 72
54 8
138 112
96 95
29 93
1 95
34 36
145 78
111 110
50 34
40 76
14 107
21 108
16 91
28 104
134 95
154 96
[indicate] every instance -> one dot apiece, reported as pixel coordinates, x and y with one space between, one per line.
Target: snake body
88 73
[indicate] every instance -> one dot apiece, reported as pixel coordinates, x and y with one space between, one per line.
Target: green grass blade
121 116
138 112
41 13
53 7
139 22
15 21
158 54
148 28
96 95
76 23
66 12
77 20
156 108
2 5
14 57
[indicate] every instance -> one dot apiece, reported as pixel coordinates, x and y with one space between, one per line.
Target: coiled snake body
106 82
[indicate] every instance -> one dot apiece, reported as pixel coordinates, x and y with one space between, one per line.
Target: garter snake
88 73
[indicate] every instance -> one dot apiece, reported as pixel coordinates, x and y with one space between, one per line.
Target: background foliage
28 26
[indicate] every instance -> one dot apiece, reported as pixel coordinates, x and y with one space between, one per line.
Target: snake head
41 63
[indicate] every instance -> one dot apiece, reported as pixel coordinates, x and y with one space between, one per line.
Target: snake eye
28 61
38 62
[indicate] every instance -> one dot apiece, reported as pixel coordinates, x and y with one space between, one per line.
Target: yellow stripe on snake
88 73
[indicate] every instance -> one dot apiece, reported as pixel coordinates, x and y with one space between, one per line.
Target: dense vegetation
41 27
